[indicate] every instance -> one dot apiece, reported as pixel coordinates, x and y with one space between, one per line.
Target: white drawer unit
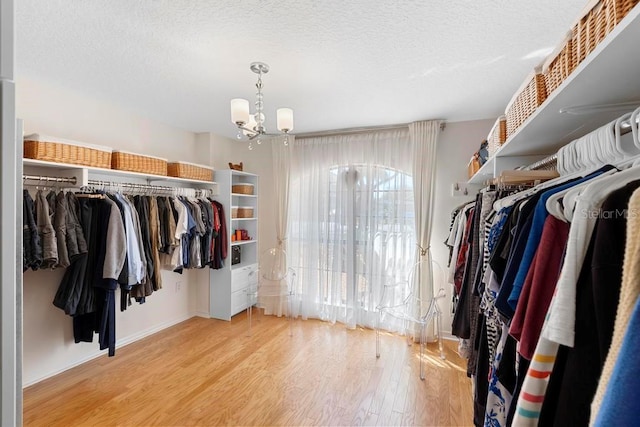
243 276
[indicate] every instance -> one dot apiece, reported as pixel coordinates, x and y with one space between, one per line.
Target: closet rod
546 163
92 182
71 180
625 128
99 183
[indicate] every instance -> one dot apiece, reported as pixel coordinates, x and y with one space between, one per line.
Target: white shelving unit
83 173
228 284
609 75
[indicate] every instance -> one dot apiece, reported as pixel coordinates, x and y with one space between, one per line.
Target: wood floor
207 372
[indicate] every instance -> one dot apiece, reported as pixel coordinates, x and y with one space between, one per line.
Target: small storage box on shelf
525 102
58 150
497 135
473 167
125 161
241 212
190 171
246 189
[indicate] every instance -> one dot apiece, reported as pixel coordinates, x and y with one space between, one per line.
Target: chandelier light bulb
285 119
239 111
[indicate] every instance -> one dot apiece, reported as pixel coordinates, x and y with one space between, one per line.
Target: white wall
63 112
457 143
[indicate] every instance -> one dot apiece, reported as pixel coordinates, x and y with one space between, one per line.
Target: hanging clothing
58 205
516 262
32 248
618 407
629 292
44 216
110 241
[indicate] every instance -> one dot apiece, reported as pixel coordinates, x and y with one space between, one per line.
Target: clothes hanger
635 127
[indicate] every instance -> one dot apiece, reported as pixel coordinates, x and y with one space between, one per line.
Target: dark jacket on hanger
32 249
58 203
76 243
220 245
44 217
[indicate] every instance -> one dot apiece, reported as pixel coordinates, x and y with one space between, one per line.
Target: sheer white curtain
351 222
281 179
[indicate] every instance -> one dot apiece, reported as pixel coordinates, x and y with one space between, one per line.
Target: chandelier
252 125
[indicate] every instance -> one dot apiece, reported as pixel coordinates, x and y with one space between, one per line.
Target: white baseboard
119 343
204 314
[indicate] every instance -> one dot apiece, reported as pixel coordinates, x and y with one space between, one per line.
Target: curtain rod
364 129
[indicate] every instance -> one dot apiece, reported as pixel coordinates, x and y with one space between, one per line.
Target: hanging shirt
182 227
537 292
135 265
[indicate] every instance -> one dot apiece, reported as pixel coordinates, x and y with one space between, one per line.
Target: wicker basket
241 212
598 19
497 135
126 161
473 167
190 171
52 149
560 65
525 102
242 189
245 212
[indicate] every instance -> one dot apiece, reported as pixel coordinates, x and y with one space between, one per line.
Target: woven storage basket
597 20
245 212
525 102
473 167
497 135
190 171
560 65
242 189
52 149
126 161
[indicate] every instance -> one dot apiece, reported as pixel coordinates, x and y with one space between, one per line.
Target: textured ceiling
338 64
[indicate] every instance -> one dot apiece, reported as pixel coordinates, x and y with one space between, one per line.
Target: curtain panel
351 222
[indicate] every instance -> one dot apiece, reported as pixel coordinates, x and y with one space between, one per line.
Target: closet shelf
243 242
243 195
117 173
243 219
608 76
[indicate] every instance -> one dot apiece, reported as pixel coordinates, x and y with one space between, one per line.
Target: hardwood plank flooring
205 372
